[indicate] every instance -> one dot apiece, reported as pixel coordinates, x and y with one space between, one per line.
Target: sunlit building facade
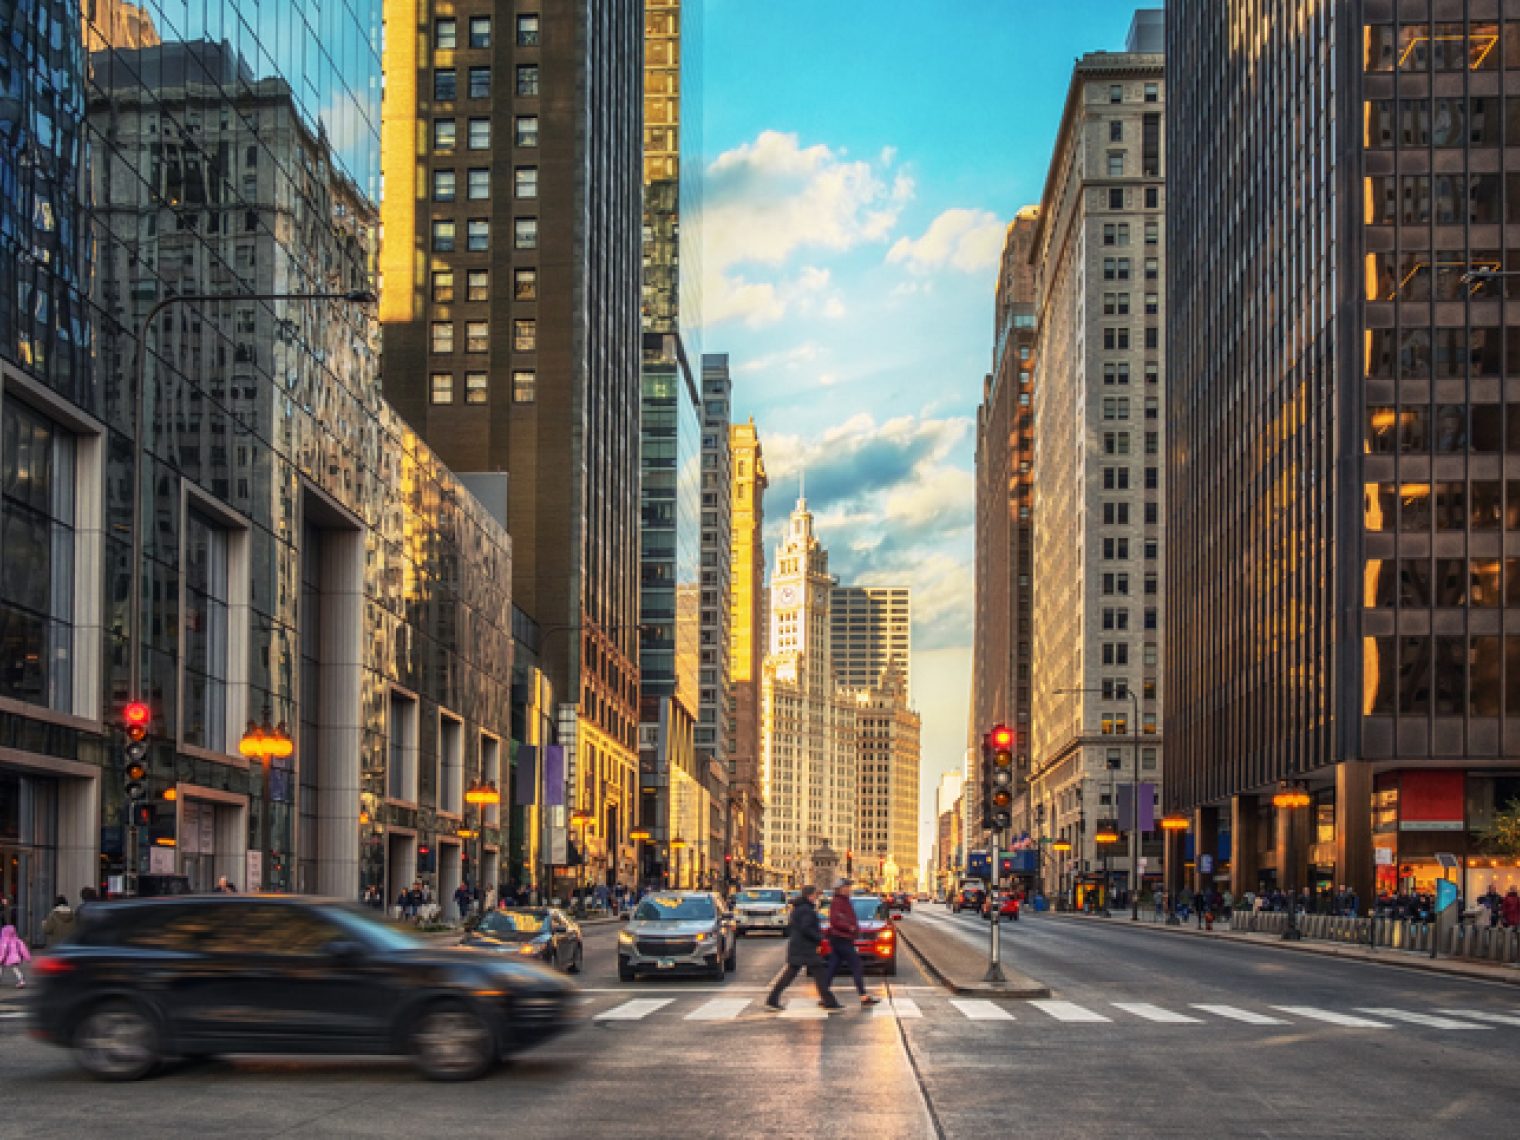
1343 463
871 632
1098 438
715 719
887 758
747 646
307 560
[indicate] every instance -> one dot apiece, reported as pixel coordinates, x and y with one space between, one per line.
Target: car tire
625 971
116 1041
575 962
720 970
450 1042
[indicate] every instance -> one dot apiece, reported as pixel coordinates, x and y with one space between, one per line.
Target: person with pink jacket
13 952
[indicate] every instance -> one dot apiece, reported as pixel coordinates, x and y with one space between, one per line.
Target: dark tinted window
290 931
180 929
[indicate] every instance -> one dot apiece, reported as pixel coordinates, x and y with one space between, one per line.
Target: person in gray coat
804 935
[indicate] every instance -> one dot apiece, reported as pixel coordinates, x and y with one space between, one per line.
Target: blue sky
862 162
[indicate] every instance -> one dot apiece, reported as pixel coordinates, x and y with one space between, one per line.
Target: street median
960 965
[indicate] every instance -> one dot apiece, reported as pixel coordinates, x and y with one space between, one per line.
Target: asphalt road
1123 1047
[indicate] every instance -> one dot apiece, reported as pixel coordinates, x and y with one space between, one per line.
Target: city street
1146 1034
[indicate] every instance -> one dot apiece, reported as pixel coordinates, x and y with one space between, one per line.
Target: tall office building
1344 472
511 149
808 724
1098 535
715 720
887 757
747 645
1002 645
871 635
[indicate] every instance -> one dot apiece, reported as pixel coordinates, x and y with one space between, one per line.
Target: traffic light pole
995 933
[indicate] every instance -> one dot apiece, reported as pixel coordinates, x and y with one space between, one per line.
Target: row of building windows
1425 351
1442 46
477 336
1118 268
1116 372
1445 583
1117 618
1117 478
1442 676
1116 549
1117 304
1117 233
1118 198
1116 584
1443 428
1477 120
1116 338
442 387
1117 514
445 234
1450 505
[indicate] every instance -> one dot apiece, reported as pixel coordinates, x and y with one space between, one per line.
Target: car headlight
704 936
625 938
531 948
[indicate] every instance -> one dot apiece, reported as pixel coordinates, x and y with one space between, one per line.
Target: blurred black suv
143 980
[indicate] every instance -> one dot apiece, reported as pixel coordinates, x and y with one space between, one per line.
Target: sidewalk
1405 959
959 965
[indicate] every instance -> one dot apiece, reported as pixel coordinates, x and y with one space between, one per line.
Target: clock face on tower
788 595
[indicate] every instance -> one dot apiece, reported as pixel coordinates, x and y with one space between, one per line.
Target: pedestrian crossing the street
932 1006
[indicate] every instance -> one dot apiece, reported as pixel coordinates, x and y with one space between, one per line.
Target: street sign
1205 864
1446 894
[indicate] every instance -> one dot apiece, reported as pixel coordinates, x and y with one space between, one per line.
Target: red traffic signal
136 714
1001 736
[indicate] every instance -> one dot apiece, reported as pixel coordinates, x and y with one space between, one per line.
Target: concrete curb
1026 988
1480 972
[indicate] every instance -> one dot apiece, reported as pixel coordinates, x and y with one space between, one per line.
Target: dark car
143 980
900 900
549 935
876 940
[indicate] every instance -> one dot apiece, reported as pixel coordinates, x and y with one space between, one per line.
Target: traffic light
136 719
997 778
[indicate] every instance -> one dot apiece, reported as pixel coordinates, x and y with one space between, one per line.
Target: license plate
666 964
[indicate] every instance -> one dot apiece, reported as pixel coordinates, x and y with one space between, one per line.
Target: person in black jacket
804 934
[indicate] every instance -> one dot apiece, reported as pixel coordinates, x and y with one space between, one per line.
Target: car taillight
48 966
884 935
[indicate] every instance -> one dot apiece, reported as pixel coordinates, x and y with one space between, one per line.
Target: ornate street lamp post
483 794
1173 826
1291 796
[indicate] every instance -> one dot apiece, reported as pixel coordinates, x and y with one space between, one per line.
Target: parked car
876 940
761 908
143 980
545 933
674 932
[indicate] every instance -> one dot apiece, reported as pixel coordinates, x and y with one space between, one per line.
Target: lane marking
978 1009
635 1010
804 1010
899 1007
1250 1017
1345 1019
1155 1013
1426 1019
1484 1015
719 1009
1068 1011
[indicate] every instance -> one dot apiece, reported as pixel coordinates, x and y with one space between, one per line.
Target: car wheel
575 962
451 1043
116 1041
718 970
625 971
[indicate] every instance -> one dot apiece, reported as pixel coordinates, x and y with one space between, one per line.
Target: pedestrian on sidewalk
462 900
843 927
59 923
804 936
1510 910
13 952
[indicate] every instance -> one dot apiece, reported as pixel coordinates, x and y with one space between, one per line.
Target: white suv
761 908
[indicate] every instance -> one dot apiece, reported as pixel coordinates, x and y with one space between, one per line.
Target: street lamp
483 794
1134 830
1291 796
1172 826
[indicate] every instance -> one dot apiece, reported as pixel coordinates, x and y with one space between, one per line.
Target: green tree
1502 837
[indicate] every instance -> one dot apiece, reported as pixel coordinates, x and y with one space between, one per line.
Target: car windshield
377 933
674 908
867 907
514 925
762 896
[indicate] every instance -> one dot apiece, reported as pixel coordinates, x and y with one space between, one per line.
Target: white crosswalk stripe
899 1007
1250 1017
635 1010
1332 1017
976 1009
804 1010
1484 1015
1426 1019
719 1009
1155 1013
1068 1011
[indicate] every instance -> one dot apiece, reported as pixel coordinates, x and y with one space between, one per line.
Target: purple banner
554 775
525 782
1126 806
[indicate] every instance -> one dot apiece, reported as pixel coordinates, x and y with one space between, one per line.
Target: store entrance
28 850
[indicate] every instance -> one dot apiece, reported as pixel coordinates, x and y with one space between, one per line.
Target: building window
476 387
450 764
525 284
1152 304
477 336
477 237
1152 337
1152 198
445 34
480 31
478 185
441 388
480 134
401 750
443 286
1152 269
524 386
443 235
1152 92
525 233
1116 164
1116 478
1115 338
525 181
1116 130
1152 514
527 31
1152 233
478 285
445 85
443 336
1152 619
1116 94
445 134
480 83
524 335
1152 478
443 185
1115 514
1115 372
38 515
526 130
527 79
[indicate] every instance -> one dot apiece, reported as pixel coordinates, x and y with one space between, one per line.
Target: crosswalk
934 1006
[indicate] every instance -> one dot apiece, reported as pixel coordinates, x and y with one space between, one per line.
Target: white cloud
967 240
760 303
784 360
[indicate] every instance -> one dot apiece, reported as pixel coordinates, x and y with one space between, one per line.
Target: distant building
871 635
715 721
887 749
747 646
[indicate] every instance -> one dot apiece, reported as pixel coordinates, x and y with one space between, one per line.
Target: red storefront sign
1432 800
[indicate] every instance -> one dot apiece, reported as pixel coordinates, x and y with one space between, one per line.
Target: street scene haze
759 568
